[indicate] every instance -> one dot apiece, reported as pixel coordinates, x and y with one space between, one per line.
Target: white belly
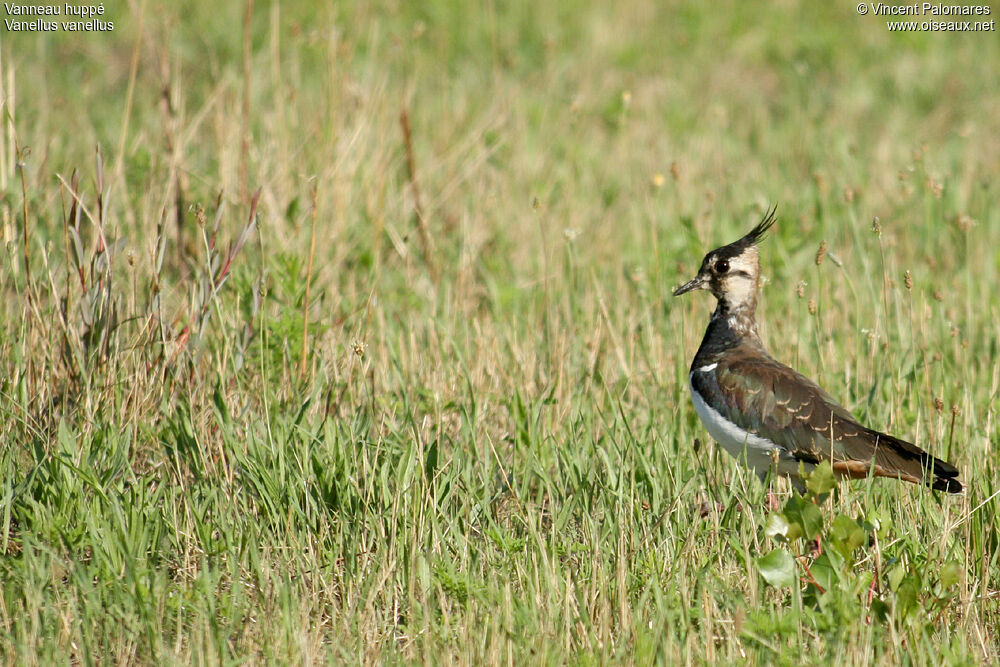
751 449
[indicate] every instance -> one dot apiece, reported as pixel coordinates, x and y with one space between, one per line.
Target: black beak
695 283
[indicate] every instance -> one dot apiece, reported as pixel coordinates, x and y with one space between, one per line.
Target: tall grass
344 333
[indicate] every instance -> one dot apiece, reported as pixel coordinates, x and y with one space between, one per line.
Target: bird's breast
753 450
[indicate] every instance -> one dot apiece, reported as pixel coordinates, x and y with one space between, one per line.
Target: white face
733 279
738 284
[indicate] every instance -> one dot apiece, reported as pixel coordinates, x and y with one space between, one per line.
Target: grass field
413 386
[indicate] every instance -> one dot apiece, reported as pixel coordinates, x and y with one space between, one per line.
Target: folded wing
770 399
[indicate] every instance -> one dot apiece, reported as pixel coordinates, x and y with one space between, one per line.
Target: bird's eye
722 266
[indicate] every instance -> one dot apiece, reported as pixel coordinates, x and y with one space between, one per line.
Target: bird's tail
939 475
945 475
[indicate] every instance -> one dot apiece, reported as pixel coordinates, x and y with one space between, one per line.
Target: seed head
936 187
820 181
821 253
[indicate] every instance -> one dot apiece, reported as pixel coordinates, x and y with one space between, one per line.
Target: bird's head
732 272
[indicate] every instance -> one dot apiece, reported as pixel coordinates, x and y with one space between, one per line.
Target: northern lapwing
766 414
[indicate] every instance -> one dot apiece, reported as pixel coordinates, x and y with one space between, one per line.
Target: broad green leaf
847 535
825 570
951 574
907 597
821 479
776 526
804 518
881 522
777 568
879 609
896 577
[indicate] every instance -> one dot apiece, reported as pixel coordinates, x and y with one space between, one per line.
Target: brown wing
770 399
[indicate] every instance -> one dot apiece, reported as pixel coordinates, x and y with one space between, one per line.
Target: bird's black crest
752 238
756 235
